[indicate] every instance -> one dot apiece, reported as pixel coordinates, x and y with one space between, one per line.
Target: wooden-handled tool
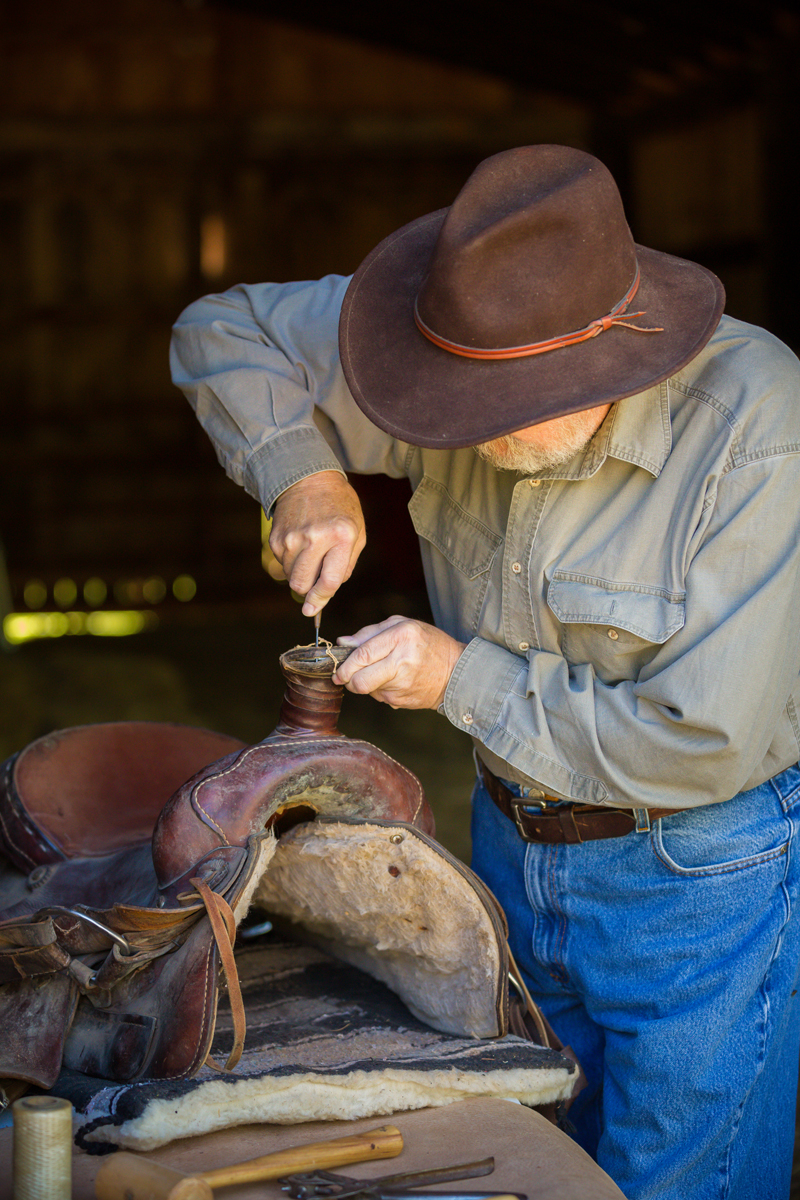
126 1176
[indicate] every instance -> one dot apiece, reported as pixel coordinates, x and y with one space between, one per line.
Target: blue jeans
669 962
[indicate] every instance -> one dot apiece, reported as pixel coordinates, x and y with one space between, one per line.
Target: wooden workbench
531 1155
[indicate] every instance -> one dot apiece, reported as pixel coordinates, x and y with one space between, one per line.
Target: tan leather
223 926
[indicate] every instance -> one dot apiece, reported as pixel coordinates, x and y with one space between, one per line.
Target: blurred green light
95 592
119 624
184 588
34 593
65 592
154 590
27 627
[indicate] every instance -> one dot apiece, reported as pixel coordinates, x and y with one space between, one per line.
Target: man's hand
317 535
404 663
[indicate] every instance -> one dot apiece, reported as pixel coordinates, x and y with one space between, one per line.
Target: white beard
510 454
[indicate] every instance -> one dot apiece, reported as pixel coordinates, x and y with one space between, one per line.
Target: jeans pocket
744 832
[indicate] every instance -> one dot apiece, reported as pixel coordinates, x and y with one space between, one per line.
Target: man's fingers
367 632
372 650
317 535
335 569
320 569
319 563
372 679
401 662
304 568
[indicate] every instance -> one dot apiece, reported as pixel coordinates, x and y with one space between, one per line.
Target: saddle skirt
131 851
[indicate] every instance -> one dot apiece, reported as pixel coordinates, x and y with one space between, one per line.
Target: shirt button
467 718
612 633
524 645
516 567
535 482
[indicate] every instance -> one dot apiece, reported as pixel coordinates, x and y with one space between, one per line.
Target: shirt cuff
486 682
479 685
286 459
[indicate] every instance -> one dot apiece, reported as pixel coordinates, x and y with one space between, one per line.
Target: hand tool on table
408 1185
126 1176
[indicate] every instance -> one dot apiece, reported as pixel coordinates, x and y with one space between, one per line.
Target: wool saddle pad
324 1042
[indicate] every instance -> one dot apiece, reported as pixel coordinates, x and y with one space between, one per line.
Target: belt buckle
533 799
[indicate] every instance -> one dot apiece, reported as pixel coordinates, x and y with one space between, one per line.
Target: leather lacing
223 926
531 1009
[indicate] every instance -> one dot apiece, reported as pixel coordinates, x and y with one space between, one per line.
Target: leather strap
223 926
567 824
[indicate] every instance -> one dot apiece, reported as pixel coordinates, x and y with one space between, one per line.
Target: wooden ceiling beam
617 54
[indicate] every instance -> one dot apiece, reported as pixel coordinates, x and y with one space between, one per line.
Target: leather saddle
130 852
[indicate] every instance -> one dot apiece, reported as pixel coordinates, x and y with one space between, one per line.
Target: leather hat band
617 316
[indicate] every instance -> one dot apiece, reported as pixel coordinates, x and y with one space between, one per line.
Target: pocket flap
464 540
648 612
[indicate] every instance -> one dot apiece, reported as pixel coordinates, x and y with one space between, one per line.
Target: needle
316 629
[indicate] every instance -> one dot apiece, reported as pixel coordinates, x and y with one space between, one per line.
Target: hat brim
429 397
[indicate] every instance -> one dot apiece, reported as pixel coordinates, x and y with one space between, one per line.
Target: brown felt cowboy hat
527 299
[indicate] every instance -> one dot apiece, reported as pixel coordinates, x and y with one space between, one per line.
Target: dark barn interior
156 150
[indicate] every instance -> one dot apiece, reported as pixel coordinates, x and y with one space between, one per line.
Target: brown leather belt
567 823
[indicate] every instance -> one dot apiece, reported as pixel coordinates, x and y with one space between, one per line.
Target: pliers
312 1185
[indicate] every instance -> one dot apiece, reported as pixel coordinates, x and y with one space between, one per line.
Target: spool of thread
42 1148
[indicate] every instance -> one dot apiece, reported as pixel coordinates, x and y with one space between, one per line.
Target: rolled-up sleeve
699 720
260 366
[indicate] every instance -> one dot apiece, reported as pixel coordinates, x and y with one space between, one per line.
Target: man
604 473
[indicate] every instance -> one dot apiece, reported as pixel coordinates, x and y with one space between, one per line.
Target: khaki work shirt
632 619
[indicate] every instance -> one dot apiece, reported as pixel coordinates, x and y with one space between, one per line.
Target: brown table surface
531 1155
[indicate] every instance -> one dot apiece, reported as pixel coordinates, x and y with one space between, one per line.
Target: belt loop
569 827
642 820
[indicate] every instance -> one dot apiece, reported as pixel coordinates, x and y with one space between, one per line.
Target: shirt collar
637 430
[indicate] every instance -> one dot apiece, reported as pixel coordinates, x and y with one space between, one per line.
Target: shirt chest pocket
616 628
458 551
